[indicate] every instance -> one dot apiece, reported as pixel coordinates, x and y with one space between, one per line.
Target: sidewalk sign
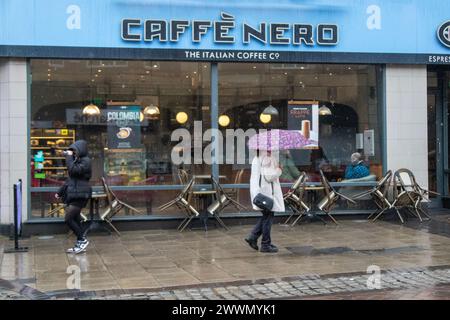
17 219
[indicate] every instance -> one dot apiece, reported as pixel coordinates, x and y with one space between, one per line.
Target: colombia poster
124 130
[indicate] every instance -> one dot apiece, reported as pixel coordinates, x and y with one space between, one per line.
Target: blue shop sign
371 31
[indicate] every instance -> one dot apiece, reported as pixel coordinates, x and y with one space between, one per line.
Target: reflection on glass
139 104
348 94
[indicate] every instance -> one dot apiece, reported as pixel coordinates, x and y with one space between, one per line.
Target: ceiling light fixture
151 112
324 111
91 109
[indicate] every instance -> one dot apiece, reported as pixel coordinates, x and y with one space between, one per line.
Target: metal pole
214 118
16 234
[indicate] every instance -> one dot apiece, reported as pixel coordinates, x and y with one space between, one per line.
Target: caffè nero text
225 31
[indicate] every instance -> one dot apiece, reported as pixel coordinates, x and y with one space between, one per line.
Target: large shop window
158 97
338 106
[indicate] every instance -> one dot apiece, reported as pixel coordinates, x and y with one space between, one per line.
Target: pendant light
270 109
91 109
224 120
182 117
152 112
324 111
265 118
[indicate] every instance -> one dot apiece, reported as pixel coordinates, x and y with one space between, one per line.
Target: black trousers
73 220
263 227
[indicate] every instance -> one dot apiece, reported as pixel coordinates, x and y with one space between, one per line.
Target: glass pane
344 96
146 201
432 182
140 104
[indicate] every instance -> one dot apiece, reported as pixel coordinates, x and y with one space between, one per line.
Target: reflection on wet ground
153 259
311 251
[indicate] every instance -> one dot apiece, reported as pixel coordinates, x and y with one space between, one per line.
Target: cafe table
312 191
205 194
94 204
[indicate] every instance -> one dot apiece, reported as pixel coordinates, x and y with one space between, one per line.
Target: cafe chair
183 176
222 201
294 199
380 196
57 209
408 194
182 202
328 203
113 207
234 192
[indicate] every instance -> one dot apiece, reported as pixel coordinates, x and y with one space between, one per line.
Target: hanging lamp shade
270 110
324 111
151 112
91 110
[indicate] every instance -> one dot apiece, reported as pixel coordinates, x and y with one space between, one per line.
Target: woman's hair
356 156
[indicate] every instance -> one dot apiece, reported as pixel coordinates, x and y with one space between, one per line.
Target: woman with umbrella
264 181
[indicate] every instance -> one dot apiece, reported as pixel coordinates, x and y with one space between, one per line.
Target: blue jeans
263 227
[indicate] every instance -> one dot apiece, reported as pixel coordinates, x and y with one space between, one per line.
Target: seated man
357 169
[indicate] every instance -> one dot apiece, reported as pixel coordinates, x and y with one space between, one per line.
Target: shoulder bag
262 201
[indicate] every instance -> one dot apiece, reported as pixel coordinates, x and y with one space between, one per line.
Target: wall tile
406 113
18 143
18 90
19 126
17 72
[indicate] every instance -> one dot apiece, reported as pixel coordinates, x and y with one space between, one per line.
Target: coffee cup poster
304 117
124 130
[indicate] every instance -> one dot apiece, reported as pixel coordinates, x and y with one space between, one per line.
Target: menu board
124 127
304 116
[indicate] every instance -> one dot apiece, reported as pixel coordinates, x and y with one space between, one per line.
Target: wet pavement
314 261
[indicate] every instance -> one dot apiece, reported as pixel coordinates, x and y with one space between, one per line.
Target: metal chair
58 208
234 192
408 194
222 201
294 199
113 207
183 176
331 197
379 195
182 202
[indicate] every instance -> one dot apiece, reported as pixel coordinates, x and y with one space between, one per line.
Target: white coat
266 187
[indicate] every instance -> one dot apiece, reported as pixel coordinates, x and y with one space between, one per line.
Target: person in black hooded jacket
76 191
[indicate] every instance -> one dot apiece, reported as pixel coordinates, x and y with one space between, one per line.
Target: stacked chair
379 195
328 203
294 199
408 194
183 176
223 200
182 203
113 207
234 192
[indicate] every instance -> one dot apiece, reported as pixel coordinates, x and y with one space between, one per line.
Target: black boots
252 243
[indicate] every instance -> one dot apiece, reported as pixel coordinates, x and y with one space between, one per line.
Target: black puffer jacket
76 190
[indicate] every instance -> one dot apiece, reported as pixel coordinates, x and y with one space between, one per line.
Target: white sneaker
81 246
72 250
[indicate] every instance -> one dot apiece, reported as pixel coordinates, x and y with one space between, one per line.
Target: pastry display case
47 146
127 165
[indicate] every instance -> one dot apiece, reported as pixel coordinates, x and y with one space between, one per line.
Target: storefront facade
373 74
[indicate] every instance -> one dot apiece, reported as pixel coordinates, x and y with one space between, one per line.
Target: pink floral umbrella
277 139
